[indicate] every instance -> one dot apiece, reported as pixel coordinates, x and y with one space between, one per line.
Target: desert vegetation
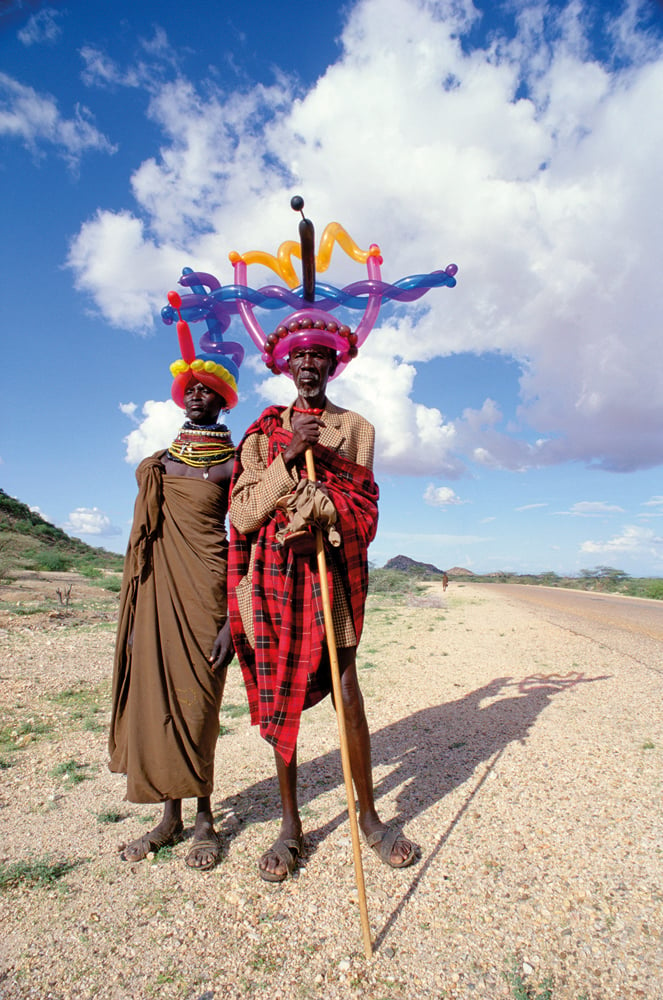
28 542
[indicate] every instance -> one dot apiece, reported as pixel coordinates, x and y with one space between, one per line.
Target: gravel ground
523 757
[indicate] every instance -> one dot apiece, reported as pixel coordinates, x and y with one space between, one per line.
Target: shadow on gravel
428 754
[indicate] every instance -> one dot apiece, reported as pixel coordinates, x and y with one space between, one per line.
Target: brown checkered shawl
286 672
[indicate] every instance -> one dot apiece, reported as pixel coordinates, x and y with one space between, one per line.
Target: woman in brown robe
173 643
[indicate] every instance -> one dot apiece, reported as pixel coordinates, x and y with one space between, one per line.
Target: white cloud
41 28
129 410
160 423
101 71
35 120
633 541
123 270
531 506
154 61
594 508
549 204
90 521
655 509
441 496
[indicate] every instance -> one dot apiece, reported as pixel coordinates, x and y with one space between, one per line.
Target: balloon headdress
312 321
217 366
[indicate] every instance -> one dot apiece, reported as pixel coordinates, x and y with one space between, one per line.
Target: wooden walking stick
340 718
307 241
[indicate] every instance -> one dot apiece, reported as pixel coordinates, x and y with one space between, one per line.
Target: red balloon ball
294 326
175 300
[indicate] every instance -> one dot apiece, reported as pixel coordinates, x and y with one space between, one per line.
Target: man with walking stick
275 599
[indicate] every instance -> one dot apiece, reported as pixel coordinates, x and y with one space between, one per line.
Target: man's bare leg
168 832
291 826
359 748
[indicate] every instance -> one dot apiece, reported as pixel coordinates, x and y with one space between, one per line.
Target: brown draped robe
166 700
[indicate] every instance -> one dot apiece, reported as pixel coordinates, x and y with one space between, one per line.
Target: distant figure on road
174 642
445 581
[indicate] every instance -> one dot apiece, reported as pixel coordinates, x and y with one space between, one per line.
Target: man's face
310 368
201 404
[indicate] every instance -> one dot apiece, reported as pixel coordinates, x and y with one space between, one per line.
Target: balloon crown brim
308 328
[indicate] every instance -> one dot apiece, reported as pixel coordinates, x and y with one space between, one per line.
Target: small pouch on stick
308 510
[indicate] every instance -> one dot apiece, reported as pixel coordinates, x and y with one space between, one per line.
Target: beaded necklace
315 411
201 446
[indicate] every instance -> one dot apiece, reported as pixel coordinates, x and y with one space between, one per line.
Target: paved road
629 625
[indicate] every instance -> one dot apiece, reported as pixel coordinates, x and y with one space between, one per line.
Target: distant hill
27 541
406 565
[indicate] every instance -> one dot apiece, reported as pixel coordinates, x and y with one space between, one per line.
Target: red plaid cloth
285 673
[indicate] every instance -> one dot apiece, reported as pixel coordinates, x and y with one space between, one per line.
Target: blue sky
519 415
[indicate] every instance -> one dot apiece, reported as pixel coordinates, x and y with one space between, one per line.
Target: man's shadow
428 753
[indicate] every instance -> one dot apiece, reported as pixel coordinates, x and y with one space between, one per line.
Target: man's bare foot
281 859
391 845
168 832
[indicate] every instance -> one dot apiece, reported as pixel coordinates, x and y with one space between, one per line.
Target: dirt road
629 625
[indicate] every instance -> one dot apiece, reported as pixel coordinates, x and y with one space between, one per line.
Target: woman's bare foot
205 850
168 832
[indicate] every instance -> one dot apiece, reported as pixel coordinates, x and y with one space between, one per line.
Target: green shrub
39 871
111 816
53 561
389 581
654 590
42 529
90 571
72 771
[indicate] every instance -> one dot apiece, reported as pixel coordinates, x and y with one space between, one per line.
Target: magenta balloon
253 328
374 302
